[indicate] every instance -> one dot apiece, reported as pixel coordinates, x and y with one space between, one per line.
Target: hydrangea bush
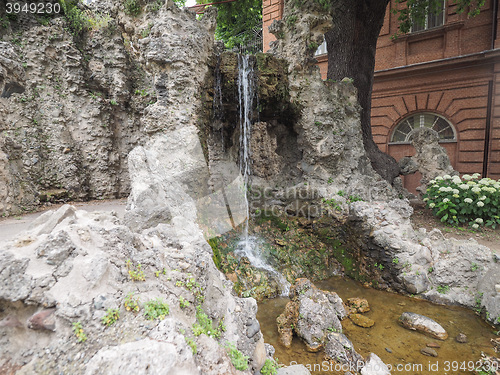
468 199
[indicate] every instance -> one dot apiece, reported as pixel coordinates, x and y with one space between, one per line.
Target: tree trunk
351 53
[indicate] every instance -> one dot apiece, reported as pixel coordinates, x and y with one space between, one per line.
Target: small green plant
183 303
112 315
135 274
204 325
379 266
142 92
443 289
395 260
270 367
132 7
430 269
290 20
192 344
113 102
99 21
156 309
78 331
76 18
330 180
474 267
145 32
238 359
131 303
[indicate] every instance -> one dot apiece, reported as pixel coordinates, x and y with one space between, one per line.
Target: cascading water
249 245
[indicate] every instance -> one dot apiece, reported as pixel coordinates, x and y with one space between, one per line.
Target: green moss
217 257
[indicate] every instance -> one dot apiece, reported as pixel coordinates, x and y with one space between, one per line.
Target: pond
394 344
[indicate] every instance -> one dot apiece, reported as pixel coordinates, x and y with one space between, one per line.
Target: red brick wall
271 10
427 71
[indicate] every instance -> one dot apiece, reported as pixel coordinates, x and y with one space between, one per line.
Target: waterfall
249 246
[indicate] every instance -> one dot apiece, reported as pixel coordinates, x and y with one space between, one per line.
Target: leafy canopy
236 20
416 10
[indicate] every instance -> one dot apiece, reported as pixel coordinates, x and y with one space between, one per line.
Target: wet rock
339 348
429 352
359 305
43 320
496 344
361 320
294 370
286 321
388 350
461 338
318 312
270 350
375 366
433 345
417 322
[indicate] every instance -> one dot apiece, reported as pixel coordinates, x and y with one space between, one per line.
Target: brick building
444 74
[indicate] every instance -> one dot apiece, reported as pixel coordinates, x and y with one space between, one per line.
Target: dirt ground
423 218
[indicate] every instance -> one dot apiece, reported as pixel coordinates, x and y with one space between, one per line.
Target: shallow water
404 344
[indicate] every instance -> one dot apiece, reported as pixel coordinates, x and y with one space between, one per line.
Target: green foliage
131 302
236 21
443 289
183 303
112 315
191 344
132 7
204 325
217 257
468 200
416 10
135 274
270 367
77 20
290 20
145 32
238 359
78 331
156 309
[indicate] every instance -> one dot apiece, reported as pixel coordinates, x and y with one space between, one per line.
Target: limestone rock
286 321
136 357
375 366
361 320
339 348
430 352
461 338
318 310
359 305
43 320
294 370
417 322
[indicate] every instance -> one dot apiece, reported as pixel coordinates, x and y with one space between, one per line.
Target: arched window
402 131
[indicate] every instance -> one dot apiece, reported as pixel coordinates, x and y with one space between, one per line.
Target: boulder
421 323
361 320
340 349
375 366
319 312
294 370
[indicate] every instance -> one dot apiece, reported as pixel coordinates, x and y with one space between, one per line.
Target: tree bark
351 48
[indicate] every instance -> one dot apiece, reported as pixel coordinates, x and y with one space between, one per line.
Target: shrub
131 303
238 359
156 309
78 331
132 7
471 200
77 20
112 315
270 367
204 325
